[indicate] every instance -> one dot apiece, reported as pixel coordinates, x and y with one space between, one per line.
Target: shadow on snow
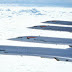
58 54
40 39
58 22
54 28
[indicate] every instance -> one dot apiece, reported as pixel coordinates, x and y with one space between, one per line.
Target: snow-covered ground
17 35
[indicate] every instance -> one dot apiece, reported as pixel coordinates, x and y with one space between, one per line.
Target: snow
15 23
32 64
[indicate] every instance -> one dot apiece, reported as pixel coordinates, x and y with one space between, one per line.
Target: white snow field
35 39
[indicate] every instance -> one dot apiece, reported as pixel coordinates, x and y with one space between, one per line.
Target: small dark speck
56 58
35 26
67 60
19 37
